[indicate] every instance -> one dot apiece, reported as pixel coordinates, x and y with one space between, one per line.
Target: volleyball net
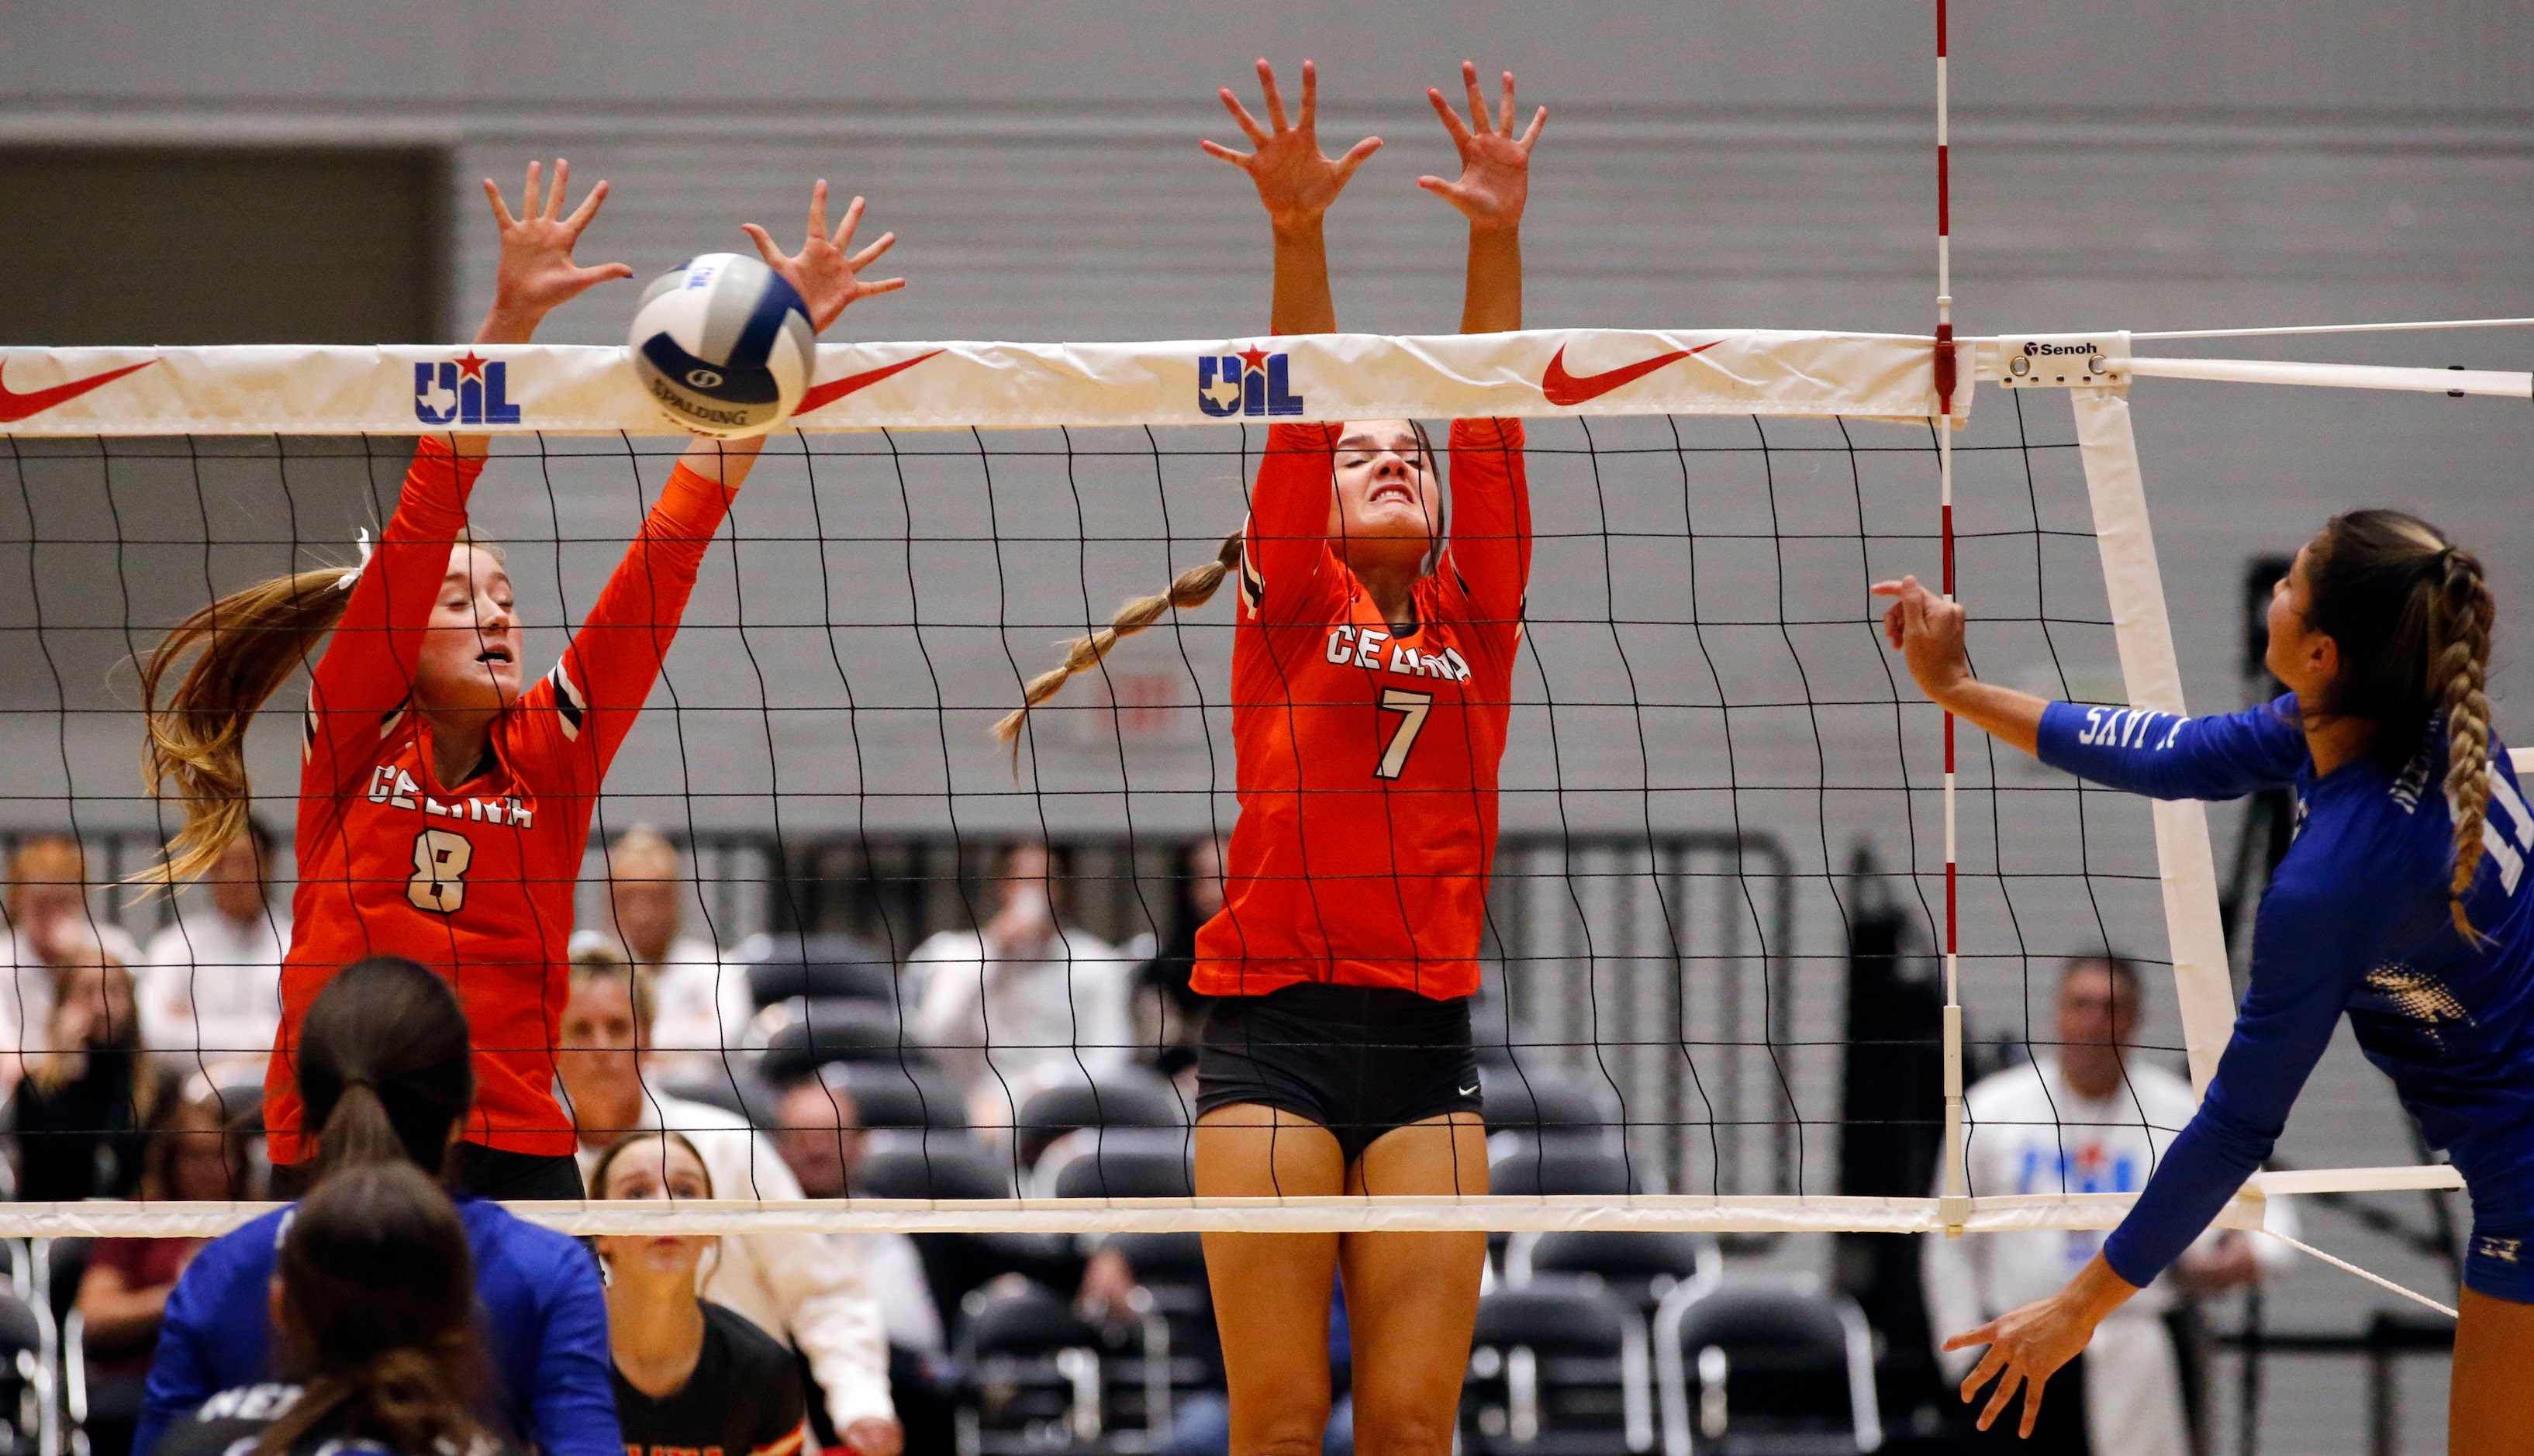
1725 809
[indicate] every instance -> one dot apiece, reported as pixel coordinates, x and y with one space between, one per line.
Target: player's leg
1413 1299
2489 1407
1271 1291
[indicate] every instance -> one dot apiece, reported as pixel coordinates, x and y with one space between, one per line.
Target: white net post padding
2154 676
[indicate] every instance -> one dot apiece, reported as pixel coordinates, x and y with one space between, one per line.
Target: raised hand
828 278
1927 632
1295 182
536 272
1495 164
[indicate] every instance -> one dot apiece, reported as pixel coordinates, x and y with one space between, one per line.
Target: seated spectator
51 925
2085 1117
704 1006
212 996
194 1157
690 1375
373 1300
385 1073
1169 1017
1023 999
803 1287
84 1110
820 1138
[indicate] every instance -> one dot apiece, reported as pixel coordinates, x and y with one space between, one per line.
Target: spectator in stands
1169 1017
820 1138
2085 1117
384 1072
1023 1000
803 1287
373 1300
192 1156
704 1006
690 1375
211 997
51 925
84 1112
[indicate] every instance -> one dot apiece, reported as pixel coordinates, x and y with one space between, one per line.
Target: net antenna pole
1954 1204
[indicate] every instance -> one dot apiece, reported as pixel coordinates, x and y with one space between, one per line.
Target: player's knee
1403 1432
1291 1430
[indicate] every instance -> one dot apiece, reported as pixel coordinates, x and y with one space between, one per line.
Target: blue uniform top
2356 918
536 1290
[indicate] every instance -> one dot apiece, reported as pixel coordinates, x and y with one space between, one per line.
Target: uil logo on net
1245 382
468 389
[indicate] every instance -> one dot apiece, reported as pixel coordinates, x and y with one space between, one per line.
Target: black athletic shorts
1357 1060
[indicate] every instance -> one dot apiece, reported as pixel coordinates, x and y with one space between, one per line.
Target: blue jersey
2356 919
536 1290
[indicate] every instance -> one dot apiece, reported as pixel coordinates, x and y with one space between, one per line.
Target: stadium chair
889 1095
738 1090
1125 1097
1640 1268
1557 1368
1763 1354
1547 1106
823 967
937 1165
800 1036
30 1405
1041 1380
1528 1166
1117 1163
1171 1267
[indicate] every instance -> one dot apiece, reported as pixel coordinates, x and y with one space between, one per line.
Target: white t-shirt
2028 1133
213 987
1028 1020
895 1270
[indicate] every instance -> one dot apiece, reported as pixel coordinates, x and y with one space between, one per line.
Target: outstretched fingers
1538 120
1478 100
501 206
554 199
1241 118
588 208
1452 121
1355 156
531 199
1275 97
818 213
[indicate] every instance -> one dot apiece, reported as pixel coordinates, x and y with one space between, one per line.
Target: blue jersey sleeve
212 1335
571 1395
2165 757
2311 943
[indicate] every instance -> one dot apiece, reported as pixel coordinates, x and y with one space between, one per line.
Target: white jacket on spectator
1061 1012
2029 1133
213 987
804 1288
895 1270
701 1003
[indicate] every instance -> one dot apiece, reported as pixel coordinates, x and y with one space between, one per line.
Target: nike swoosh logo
834 390
1469 1091
14 406
1563 388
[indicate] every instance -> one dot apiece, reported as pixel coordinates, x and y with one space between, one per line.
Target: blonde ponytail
2459 623
1192 588
241 648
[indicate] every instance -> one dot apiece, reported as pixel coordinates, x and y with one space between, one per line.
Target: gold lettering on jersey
1361 646
395 788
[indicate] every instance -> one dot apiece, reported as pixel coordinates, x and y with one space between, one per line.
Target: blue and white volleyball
723 345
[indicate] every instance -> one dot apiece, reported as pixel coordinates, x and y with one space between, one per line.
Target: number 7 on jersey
1414 706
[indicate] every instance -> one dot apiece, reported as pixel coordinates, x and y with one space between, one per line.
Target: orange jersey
1367 759
474 879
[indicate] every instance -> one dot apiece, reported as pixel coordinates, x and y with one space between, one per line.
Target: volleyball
722 345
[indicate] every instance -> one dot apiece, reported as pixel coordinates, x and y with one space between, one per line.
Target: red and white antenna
1953 1206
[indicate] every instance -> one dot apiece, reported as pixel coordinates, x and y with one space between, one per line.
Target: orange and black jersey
743 1398
473 879
1367 758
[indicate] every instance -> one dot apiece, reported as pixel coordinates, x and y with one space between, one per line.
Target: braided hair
1191 589
2411 614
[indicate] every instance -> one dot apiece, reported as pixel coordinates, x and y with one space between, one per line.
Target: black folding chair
1557 1368
1764 1366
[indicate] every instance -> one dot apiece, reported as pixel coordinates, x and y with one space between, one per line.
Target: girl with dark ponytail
375 1307
2398 903
386 1077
